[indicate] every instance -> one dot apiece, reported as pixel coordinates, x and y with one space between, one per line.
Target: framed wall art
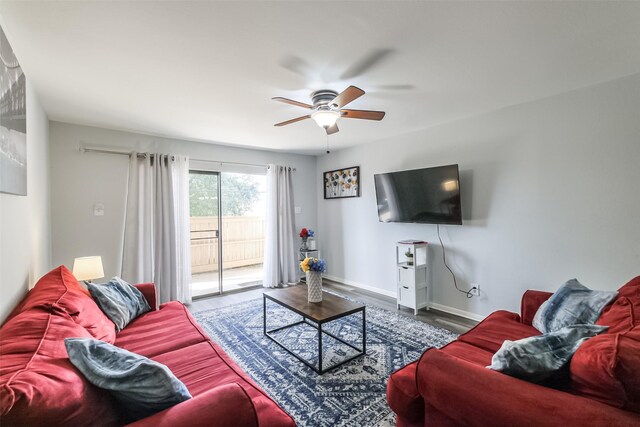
342 183
13 122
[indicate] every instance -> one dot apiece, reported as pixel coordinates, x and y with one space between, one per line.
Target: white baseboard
392 294
457 312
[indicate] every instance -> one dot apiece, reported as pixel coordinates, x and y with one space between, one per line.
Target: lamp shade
88 268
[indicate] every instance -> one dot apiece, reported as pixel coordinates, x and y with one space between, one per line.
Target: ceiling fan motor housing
323 97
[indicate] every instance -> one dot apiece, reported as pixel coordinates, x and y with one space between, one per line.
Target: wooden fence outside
242 244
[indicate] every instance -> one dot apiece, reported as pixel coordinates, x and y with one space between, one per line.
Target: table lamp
88 268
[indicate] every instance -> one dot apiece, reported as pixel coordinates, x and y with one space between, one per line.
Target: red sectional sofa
39 386
451 386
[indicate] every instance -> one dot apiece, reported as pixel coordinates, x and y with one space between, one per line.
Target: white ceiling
207 70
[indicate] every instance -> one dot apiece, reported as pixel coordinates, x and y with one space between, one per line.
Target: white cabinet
412 275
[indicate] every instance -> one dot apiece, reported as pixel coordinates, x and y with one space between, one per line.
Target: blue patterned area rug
350 395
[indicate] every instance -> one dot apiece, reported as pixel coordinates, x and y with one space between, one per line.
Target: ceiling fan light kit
327 108
325 118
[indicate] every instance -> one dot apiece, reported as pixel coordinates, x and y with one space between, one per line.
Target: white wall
25 242
550 191
81 179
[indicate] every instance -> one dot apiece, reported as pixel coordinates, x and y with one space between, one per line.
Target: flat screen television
429 196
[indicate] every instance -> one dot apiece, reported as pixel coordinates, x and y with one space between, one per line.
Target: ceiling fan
328 106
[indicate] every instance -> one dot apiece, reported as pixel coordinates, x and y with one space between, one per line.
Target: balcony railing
242 242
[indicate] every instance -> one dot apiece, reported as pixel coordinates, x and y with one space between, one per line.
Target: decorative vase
303 246
314 286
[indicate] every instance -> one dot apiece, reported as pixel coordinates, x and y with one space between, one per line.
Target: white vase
314 286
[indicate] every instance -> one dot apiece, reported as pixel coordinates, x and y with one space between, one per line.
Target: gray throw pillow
119 301
538 358
142 386
572 304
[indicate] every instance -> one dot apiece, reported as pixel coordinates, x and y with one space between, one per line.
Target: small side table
307 254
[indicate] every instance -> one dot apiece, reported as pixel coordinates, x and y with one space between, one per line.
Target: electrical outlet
475 289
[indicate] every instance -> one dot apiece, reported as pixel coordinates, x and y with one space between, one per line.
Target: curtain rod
88 149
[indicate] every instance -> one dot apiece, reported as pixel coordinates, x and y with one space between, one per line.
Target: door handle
405 287
406 268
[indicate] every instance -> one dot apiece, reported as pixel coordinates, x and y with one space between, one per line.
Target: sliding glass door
227 249
204 205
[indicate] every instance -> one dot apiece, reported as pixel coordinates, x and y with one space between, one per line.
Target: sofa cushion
161 331
606 368
495 329
60 287
38 384
468 353
540 357
624 313
572 304
119 301
141 386
204 366
402 394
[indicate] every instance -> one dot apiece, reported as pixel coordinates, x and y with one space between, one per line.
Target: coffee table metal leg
264 315
320 348
364 332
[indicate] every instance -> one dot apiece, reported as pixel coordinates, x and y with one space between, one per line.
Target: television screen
430 196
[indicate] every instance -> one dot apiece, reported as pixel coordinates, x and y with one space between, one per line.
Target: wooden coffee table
315 314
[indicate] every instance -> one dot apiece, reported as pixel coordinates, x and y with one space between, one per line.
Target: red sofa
451 386
39 386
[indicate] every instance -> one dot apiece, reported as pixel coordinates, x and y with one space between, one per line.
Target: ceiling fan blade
332 129
362 114
366 63
297 119
292 102
347 95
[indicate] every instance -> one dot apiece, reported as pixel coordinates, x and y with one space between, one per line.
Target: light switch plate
298 210
98 209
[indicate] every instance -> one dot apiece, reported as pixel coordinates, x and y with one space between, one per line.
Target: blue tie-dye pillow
119 301
572 304
539 357
141 385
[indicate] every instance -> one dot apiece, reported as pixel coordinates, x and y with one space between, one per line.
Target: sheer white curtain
156 231
280 262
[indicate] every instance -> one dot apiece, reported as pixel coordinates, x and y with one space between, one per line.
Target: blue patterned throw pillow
141 385
572 304
119 301
538 358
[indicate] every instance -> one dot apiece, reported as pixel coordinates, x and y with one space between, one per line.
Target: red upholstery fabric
531 302
59 286
226 405
204 366
606 368
402 395
150 294
495 329
38 384
161 331
468 353
472 395
623 313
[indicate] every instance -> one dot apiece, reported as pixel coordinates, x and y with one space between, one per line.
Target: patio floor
232 279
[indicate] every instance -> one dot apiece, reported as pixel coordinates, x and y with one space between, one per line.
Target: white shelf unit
412 280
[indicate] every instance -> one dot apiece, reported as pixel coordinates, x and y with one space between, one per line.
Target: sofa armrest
225 405
149 292
531 302
473 395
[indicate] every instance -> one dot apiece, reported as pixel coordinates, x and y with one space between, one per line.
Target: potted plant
314 267
409 256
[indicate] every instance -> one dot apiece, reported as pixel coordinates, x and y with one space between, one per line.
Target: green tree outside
239 193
